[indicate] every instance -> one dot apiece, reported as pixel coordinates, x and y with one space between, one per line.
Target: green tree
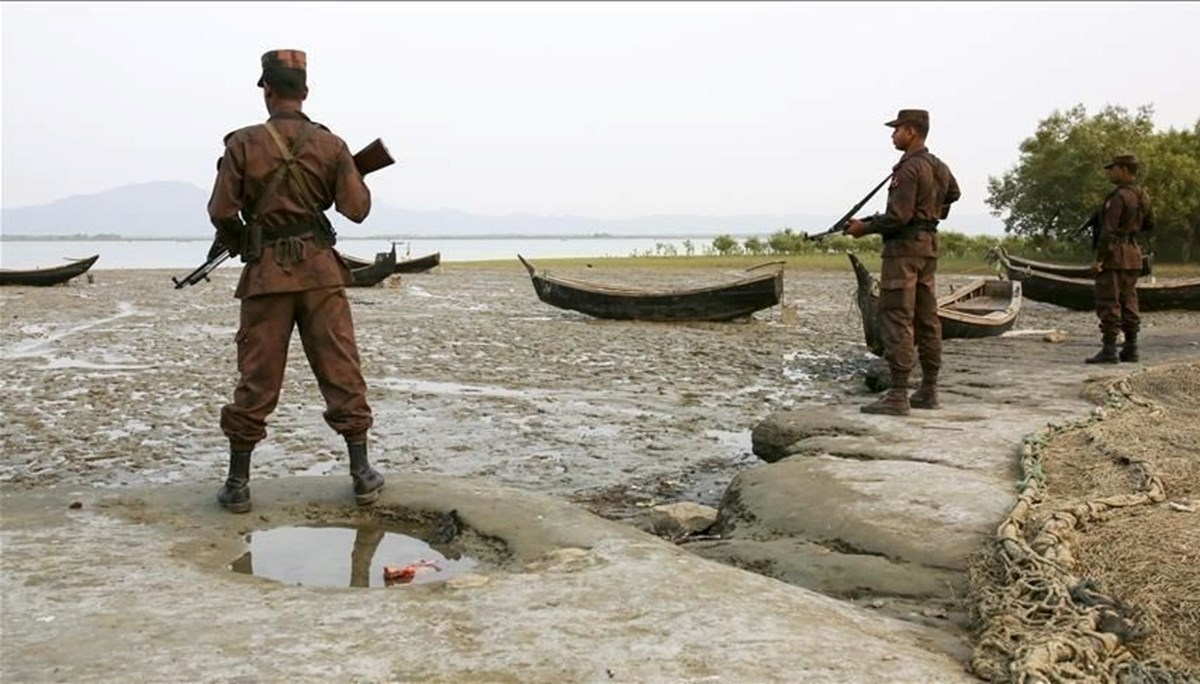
753 245
725 245
1058 181
785 242
1172 179
688 248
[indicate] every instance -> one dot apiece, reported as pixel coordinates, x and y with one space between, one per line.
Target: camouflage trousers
327 334
908 312
1117 303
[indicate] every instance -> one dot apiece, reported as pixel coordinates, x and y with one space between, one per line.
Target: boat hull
1079 293
1070 270
373 274
726 302
45 277
417 265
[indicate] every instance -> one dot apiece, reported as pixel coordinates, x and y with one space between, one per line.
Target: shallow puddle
346 557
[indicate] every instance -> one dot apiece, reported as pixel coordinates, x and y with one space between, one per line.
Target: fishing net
1094 575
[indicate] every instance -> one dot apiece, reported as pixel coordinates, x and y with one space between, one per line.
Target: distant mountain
161 209
176 209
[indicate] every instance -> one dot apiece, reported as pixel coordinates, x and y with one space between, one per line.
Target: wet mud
120 382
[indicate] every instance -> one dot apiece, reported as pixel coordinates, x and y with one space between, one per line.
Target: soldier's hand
855 228
1097 267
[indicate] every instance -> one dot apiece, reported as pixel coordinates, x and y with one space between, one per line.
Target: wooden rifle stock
373 157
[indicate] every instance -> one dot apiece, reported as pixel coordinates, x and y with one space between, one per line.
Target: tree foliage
725 245
1059 181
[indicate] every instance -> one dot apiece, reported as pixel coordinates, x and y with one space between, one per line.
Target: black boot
895 402
1129 350
926 396
367 481
235 495
1107 354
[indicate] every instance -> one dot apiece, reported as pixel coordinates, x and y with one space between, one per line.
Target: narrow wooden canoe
1078 293
982 308
417 265
373 274
1068 270
760 289
43 277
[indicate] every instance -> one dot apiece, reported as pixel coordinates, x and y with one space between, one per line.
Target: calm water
187 254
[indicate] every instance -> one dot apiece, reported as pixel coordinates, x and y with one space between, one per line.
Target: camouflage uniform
1126 212
281 177
922 187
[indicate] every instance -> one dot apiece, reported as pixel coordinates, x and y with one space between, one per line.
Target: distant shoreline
397 238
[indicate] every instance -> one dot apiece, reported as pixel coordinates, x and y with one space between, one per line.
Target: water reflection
316 556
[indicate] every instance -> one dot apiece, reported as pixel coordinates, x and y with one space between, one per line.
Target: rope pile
1037 620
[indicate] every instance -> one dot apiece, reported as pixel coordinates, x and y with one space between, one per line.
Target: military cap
284 67
918 117
1129 161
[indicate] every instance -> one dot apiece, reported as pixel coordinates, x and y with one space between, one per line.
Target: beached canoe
42 277
374 273
982 308
1067 270
1078 293
760 288
417 265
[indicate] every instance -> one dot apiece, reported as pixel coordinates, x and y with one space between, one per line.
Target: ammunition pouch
251 244
253 236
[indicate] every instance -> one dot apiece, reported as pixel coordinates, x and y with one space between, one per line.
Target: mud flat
112 390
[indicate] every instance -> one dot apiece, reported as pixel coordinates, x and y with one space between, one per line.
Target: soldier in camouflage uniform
1126 213
273 185
920 193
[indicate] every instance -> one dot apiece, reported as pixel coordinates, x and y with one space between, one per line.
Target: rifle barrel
201 272
837 227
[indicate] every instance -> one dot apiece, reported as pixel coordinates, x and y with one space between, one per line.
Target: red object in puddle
405 574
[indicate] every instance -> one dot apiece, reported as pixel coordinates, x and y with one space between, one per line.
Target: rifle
369 159
840 225
201 272
1093 223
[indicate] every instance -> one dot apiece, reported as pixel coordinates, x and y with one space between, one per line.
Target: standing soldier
274 183
1125 213
919 195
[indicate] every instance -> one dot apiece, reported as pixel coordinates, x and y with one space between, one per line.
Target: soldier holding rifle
1125 214
273 185
921 190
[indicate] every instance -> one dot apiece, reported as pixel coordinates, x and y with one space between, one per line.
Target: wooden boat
1078 293
417 265
1068 270
760 289
982 308
42 277
374 273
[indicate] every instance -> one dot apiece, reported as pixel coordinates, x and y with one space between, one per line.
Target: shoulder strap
284 169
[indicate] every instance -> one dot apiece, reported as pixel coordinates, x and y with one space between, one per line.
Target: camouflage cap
910 116
284 67
1129 161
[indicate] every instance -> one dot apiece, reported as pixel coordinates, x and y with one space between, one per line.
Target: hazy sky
607 110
